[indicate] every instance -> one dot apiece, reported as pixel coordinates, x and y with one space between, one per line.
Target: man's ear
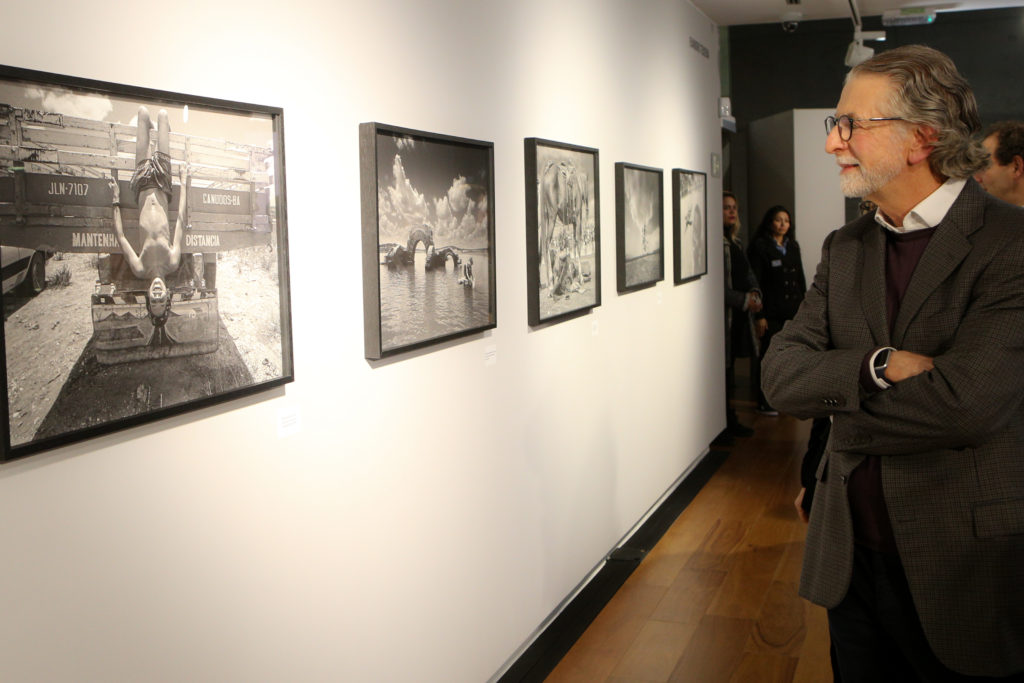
1018 166
924 139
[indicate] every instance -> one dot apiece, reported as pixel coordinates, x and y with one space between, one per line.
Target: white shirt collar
930 211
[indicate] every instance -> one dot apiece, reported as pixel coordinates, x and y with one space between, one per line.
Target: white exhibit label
288 422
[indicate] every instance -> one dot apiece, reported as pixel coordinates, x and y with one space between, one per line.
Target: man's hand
115 191
753 303
799 506
906 364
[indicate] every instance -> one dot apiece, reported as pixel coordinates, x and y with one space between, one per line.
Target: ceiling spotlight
857 53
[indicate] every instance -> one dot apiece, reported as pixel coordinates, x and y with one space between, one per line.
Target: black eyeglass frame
833 121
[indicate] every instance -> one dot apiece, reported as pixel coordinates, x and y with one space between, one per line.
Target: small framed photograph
689 224
428 238
639 226
145 256
563 230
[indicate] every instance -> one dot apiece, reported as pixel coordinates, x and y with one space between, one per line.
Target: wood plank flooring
715 600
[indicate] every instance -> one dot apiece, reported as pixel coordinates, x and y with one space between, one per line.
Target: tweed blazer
951 440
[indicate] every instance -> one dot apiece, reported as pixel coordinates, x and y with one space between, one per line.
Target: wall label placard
696 45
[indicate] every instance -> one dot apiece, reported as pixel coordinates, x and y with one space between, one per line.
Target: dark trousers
876 632
774 326
731 418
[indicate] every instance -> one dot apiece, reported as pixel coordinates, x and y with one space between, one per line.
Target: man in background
1004 176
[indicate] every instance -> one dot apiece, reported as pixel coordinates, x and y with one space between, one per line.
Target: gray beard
866 182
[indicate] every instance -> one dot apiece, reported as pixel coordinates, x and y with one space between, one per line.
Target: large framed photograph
428 238
689 224
639 226
563 230
145 255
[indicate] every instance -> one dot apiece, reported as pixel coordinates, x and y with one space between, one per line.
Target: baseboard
573 617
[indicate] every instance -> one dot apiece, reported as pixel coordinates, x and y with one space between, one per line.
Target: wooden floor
715 599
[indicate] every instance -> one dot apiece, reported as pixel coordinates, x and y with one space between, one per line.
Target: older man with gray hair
912 339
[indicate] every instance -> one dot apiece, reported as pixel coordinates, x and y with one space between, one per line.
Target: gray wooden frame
376 345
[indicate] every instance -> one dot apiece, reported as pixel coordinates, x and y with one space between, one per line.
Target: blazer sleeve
802 373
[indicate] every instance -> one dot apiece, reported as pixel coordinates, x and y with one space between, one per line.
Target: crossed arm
952 400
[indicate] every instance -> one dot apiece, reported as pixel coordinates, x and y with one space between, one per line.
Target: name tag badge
777 263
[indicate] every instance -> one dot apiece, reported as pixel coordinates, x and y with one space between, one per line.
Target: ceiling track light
856 52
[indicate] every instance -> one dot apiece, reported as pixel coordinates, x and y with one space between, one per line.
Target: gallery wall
422 516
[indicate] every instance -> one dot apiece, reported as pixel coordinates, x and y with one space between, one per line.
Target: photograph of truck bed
93 340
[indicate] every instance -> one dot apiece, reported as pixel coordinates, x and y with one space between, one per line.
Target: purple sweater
871 526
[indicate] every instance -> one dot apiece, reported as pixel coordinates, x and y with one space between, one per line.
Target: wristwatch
879 365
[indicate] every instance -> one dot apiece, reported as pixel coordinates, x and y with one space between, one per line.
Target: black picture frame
418 187
174 335
639 226
689 225
573 285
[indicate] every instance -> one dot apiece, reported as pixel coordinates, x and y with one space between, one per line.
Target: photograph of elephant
563 257
689 224
428 238
639 227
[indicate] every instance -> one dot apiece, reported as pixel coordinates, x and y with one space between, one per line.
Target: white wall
820 207
770 155
365 548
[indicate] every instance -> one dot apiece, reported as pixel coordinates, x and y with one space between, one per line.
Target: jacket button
844 478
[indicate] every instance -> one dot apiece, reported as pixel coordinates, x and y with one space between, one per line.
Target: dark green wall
773 71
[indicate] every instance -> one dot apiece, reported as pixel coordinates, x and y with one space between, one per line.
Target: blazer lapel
946 249
872 283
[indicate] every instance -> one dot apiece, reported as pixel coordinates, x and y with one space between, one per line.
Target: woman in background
775 259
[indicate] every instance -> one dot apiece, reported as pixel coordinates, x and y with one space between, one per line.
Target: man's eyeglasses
846 124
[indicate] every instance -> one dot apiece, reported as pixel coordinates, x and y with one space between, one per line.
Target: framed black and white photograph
428 238
639 226
563 230
689 224
145 255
